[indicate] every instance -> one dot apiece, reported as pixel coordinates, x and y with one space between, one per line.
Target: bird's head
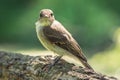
46 17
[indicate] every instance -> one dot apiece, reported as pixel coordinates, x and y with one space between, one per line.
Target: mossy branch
14 66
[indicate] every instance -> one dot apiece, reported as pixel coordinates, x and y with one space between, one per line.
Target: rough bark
14 66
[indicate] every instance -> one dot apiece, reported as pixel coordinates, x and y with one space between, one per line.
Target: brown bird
56 38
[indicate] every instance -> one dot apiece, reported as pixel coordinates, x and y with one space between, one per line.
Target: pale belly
47 44
52 47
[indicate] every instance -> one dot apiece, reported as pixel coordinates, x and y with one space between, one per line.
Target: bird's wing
59 36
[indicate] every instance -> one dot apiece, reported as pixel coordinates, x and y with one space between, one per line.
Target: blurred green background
91 22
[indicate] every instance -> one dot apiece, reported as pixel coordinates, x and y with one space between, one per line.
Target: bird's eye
41 15
51 14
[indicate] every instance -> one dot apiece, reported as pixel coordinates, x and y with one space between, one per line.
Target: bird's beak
46 16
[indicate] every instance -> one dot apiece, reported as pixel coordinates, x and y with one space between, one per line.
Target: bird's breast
46 43
52 47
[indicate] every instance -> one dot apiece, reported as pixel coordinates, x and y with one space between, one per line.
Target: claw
47 67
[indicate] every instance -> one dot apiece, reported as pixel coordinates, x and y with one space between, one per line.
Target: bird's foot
47 67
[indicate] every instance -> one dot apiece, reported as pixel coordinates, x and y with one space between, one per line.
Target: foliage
108 61
90 21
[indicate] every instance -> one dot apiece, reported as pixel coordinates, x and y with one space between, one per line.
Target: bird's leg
56 60
47 67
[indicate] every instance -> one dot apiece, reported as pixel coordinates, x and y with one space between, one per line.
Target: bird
56 38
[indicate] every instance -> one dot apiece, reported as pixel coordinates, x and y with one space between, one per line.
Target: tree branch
15 66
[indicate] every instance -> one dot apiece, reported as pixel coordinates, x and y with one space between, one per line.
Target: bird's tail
85 63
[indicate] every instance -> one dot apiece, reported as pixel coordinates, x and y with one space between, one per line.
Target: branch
15 66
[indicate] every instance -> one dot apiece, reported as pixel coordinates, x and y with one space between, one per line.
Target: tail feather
85 63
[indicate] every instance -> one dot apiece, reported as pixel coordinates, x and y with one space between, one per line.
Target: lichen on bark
15 66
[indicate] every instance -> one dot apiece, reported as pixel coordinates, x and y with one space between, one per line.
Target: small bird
56 38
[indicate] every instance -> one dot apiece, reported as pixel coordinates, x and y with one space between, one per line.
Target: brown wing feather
60 37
